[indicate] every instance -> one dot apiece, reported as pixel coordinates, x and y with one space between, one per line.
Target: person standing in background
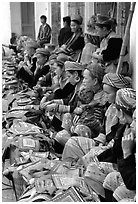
44 34
65 32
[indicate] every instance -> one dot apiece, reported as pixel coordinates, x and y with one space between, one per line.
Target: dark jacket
44 36
64 34
115 153
65 92
127 168
113 49
41 72
78 44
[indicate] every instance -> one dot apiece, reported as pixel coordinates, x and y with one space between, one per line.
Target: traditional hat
126 99
96 71
43 51
103 20
77 18
74 66
116 80
67 19
61 59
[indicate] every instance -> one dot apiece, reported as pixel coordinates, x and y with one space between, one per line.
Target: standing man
44 34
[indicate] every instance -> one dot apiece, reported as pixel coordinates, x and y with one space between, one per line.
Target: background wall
15 17
133 48
41 8
5 23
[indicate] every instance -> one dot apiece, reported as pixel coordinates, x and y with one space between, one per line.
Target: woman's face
110 92
58 69
74 26
133 124
101 31
30 51
123 117
41 60
71 77
51 64
87 79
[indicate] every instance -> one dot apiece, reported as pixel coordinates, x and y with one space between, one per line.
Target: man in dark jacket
65 32
44 34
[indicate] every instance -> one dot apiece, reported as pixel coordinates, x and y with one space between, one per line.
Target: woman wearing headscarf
27 67
121 184
42 68
110 46
74 74
89 48
61 88
107 161
74 45
84 148
88 113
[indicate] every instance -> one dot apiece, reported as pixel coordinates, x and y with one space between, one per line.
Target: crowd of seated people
91 109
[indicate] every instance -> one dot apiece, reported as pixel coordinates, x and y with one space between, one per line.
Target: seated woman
74 74
72 150
92 122
90 100
92 41
109 51
107 161
88 49
27 67
42 67
122 183
74 45
46 81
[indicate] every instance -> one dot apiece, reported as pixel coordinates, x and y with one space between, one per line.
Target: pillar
5 22
133 48
64 11
41 8
89 11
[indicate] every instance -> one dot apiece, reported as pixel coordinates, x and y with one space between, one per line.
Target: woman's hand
128 143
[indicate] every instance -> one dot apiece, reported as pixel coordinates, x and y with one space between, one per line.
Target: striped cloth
126 98
117 80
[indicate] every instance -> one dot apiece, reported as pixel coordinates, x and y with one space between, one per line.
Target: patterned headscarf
126 99
117 81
